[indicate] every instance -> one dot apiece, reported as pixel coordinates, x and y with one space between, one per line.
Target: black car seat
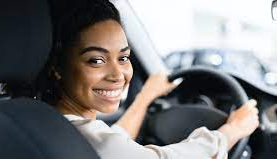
31 129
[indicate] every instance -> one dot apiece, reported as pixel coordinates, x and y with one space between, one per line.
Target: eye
124 58
95 61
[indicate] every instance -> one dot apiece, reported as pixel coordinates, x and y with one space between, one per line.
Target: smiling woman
97 70
88 70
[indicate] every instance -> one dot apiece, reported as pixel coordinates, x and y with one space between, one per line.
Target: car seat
30 128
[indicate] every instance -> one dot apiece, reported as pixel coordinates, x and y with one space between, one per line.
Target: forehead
105 33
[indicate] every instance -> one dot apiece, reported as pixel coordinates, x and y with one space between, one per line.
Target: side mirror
274 10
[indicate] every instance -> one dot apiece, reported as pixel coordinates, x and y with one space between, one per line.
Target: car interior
30 128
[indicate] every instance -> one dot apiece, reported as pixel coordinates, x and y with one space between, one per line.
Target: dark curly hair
70 18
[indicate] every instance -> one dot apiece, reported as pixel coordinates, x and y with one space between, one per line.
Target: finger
255 117
251 103
256 123
171 86
255 111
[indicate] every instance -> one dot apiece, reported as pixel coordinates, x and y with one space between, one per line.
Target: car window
241 25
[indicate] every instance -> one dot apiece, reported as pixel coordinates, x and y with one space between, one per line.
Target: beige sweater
115 143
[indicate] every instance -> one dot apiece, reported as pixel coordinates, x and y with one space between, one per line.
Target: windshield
241 25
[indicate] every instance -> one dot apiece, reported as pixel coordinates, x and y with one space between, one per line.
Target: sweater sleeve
118 129
201 144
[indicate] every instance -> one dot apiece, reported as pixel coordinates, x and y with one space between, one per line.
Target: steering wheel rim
236 91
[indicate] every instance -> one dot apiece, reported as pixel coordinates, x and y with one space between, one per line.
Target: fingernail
177 81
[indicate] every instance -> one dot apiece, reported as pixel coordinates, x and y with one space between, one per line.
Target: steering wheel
178 121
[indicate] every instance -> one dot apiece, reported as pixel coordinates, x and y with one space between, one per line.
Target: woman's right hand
241 123
157 85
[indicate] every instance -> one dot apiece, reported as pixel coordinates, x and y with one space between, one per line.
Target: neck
66 107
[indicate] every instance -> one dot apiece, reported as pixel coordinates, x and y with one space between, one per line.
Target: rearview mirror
274 10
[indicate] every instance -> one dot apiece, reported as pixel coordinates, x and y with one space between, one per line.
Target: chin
110 109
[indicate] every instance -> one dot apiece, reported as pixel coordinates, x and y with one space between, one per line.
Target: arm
201 144
155 86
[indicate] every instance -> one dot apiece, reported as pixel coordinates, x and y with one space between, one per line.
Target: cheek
83 76
92 76
128 72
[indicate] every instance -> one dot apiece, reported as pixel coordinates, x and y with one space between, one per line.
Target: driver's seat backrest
30 128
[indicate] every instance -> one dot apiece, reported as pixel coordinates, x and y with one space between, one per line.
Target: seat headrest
25 38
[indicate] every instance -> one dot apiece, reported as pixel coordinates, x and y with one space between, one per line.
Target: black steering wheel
178 121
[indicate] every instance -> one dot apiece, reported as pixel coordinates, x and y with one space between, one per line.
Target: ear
56 73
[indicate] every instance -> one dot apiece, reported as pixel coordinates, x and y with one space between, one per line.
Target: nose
115 73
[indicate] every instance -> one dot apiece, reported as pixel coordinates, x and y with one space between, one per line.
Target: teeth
114 93
109 93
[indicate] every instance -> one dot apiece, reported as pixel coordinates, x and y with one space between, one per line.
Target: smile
113 93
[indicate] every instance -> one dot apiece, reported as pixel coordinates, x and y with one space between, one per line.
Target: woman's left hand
241 123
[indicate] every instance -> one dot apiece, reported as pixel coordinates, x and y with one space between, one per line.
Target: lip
112 87
112 100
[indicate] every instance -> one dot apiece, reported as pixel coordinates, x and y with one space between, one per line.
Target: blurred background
241 26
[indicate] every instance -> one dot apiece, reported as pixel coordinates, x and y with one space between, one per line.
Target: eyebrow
100 49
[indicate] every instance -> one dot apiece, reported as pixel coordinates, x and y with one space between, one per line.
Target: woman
90 68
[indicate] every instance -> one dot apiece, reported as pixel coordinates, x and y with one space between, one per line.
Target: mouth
110 93
112 96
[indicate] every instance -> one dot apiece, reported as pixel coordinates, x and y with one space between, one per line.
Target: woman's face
98 68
